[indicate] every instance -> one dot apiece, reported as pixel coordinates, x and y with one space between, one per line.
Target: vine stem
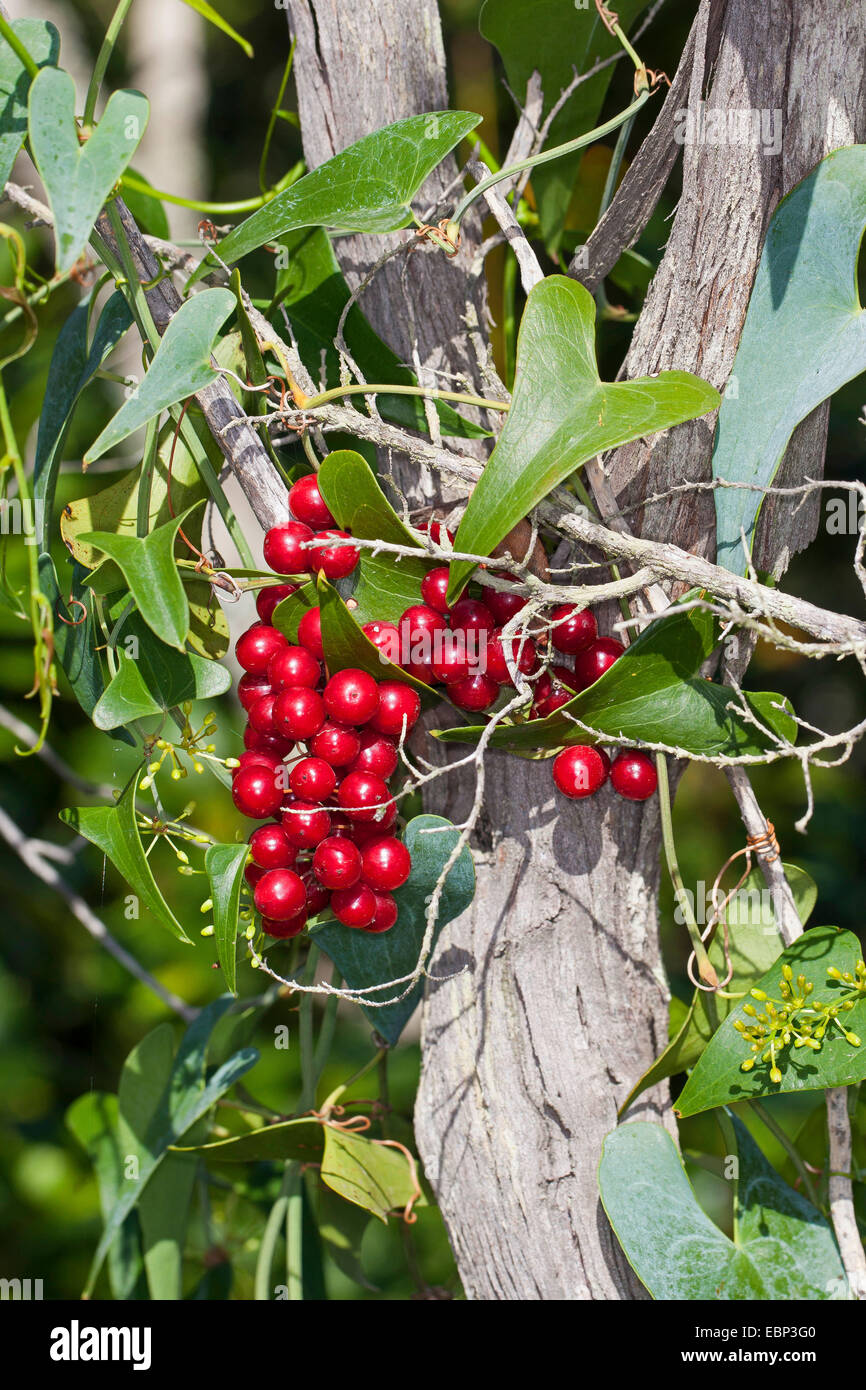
103 58
363 389
704 964
374 1061
134 183
17 47
269 133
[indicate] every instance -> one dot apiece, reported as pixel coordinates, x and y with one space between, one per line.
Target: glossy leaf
213 17
42 42
563 414
224 865
113 830
346 645
367 1173
300 1140
784 1247
804 338
171 676
718 1079
126 698
181 366
366 188
365 960
651 694
754 944
92 1119
79 178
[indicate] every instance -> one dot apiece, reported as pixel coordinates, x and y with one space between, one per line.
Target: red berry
434 587
280 895
335 744
365 832
251 688
399 707
351 697
292 927
267 743
553 690
597 659
378 754
312 779
420 627
502 604
580 771
310 633
337 863
254 874
634 776
251 758
385 864
271 848
267 599
575 628
261 714
334 561
306 824
386 913
317 896
363 794
355 906
471 616
437 531
522 652
255 647
420 671
294 666
307 503
284 548
474 693
255 792
299 712
450 662
386 637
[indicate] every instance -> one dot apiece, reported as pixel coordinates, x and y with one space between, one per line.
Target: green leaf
171 677
341 1227
127 698
92 1119
113 830
181 366
717 1078
563 414
300 1140
345 645
366 188
804 338
651 694
210 14
754 945
365 959
224 865
150 569
42 42
557 37
79 178
367 1173
784 1247
73 366
146 207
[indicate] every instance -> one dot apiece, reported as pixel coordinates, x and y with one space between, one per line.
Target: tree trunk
549 997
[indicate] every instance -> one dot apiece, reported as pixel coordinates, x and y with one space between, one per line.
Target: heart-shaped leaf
365 960
113 829
181 366
652 694
42 42
368 1173
78 178
804 337
835 1060
783 1247
301 1140
563 414
224 865
366 188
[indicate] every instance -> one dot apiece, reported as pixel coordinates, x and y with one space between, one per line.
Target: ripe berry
292 927
255 792
420 671
471 616
267 599
335 744
307 503
377 754
317 896
310 633
434 587
283 548
437 531
351 697
363 833
450 662
634 776
502 604
278 747
254 874
386 913
386 637
417 626
334 561
522 652
553 690
580 771
251 688
399 707
299 712
255 647
575 628
250 758
294 666
312 779
355 906
597 659
271 848
306 824
474 693
363 794
280 895
337 863
386 864
261 714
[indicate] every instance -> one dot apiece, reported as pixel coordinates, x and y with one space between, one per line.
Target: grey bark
549 997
